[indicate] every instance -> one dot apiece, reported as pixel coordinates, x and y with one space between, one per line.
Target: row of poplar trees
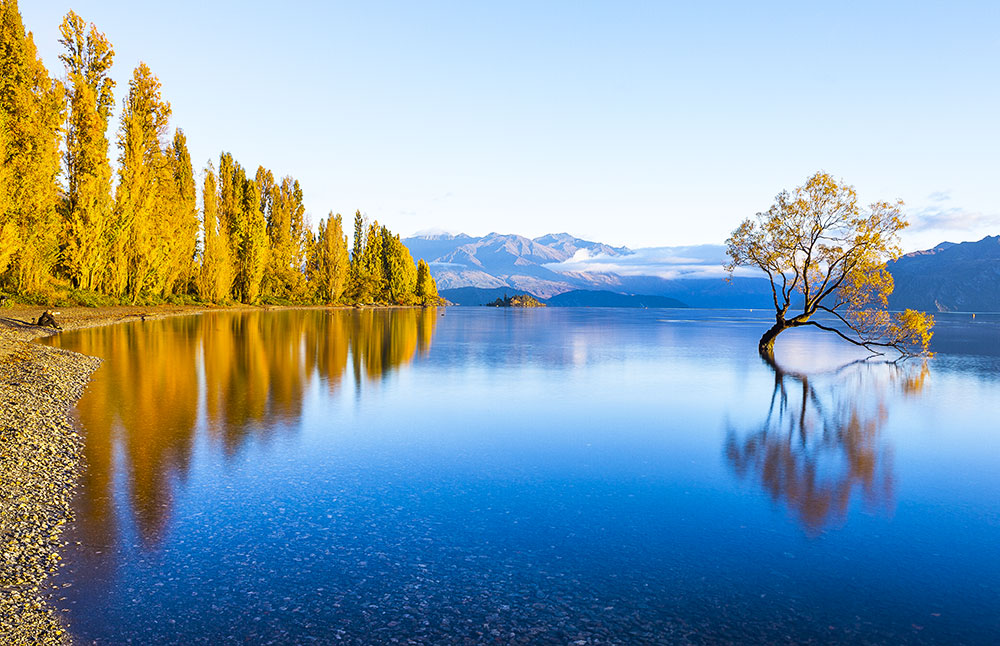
64 219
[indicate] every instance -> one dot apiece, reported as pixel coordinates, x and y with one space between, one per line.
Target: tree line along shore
73 231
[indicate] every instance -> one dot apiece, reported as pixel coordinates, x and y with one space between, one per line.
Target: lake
544 476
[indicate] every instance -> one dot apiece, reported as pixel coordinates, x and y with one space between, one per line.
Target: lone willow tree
825 255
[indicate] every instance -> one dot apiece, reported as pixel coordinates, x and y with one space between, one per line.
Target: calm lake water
557 476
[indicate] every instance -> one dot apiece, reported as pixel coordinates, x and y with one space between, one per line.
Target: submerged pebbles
39 462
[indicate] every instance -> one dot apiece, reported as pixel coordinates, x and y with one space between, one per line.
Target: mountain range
963 277
558 263
561 269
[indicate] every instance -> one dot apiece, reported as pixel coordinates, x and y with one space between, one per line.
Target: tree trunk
766 345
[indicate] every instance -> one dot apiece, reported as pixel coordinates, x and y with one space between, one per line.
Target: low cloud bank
936 217
699 261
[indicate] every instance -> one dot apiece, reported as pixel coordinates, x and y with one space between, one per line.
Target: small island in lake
517 300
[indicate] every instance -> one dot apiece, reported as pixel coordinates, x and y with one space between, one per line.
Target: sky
632 123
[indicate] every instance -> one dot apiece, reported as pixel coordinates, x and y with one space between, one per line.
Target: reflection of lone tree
813 452
817 243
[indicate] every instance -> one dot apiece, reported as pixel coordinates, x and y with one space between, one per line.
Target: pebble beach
40 459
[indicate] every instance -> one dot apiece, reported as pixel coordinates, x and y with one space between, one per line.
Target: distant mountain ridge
496 261
950 277
962 277
505 260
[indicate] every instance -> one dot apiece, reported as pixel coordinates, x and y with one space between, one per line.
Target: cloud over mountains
669 263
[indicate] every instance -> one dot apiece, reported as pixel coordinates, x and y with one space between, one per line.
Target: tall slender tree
136 252
247 229
31 108
181 221
86 204
372 283
216 275
426 289
330 265
297 238
8 226
400 272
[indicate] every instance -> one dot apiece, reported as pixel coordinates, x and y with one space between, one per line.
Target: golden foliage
31 109
87 203
139 255
823 251
330 267
426 288
141 244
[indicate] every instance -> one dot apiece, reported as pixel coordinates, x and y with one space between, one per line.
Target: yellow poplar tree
230 211
426 289
253 247
400 271
87 203
31 108
283 207
241 208
180 222
297 240
330 264
136 253
216 276
8 227
372 283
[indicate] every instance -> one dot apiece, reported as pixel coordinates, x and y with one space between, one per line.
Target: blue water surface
545 476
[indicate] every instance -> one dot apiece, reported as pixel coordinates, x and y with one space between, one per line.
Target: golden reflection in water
821 443
249 370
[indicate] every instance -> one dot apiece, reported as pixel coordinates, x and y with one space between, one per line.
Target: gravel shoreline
40 455
40 458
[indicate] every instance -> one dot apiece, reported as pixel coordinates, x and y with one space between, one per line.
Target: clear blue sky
638 123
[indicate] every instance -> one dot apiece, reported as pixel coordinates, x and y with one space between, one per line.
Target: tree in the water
826 255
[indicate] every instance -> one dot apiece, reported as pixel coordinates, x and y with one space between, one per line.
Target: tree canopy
65 224
824 254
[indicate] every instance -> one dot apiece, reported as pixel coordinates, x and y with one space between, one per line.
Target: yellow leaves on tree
824 253
31 109
87 204
426 289
145 185
142 243
329 267
216 273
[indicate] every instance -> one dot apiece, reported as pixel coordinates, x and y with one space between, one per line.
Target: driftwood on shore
47 320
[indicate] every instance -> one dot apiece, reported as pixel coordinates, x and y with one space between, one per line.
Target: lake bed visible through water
544 476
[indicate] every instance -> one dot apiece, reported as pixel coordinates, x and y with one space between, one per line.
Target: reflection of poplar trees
149 390
382 341
817 448
257 367
326 351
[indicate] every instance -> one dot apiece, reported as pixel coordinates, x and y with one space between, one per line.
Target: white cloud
942 217
701 261
432 231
